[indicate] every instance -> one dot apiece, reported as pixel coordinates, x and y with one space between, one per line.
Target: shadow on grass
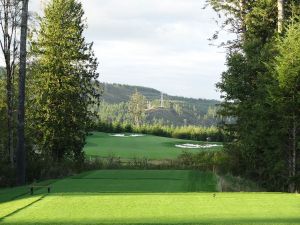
91 144
130 181
253 221
22 208
11 194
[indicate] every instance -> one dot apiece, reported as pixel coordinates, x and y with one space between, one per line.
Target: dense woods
260 89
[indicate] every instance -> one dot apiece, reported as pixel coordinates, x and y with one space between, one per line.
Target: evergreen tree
65 80
288 75
254 133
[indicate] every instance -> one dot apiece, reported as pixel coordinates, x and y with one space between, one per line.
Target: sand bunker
137 135
197 146
126 135
117 135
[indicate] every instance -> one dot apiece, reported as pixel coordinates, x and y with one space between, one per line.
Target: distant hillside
116 93
176 111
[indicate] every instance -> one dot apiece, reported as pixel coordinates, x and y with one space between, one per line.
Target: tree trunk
280 5
292 149
9 103
294 152
6 47
21 155
243 14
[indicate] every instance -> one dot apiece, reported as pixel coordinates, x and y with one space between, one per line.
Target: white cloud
156 43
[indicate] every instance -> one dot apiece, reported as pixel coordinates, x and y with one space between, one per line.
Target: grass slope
151 147
146 197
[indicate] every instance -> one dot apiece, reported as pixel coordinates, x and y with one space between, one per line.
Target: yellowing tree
136 107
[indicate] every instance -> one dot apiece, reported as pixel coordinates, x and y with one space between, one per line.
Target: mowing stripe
138 178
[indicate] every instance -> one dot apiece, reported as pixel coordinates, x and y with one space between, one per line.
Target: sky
161 44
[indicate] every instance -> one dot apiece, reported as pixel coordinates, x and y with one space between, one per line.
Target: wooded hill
176 110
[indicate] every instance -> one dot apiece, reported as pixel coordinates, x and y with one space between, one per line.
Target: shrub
186 132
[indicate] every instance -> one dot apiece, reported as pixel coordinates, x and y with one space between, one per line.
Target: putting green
148 146
145 197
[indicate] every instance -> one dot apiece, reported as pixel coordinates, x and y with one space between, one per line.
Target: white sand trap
124 135
137 135
194 146
117 135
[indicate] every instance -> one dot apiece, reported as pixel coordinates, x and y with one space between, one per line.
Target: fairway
148 146
145 197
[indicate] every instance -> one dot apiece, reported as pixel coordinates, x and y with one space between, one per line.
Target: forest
260 89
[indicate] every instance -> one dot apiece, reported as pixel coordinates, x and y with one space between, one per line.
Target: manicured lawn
151 147
146 197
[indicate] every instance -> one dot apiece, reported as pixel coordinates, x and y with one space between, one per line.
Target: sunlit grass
146 197
151 147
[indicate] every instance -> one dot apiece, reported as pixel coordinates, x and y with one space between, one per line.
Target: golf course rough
145 197
147 146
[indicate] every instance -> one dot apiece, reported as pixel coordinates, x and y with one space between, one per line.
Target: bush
186 132
7 173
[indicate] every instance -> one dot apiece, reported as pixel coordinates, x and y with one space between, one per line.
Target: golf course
149 112
144 197
130 146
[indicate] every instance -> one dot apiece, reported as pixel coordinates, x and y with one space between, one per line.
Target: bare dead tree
9 23
280 7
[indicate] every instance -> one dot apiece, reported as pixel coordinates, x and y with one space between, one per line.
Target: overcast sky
155 43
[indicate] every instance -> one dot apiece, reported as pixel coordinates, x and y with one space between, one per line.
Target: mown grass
146 197
150 147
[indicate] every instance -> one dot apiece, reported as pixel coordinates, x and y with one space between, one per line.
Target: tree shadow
220 221
22 208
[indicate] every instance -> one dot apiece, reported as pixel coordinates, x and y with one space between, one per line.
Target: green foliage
215 161
3 113
229 183
288 60
6 170
63 82
183 132
287 71
254 130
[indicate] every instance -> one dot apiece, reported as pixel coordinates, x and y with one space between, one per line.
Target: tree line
59 87
260 89
181 132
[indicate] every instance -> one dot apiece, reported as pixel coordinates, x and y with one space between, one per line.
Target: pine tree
65 79
288 70
254 133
